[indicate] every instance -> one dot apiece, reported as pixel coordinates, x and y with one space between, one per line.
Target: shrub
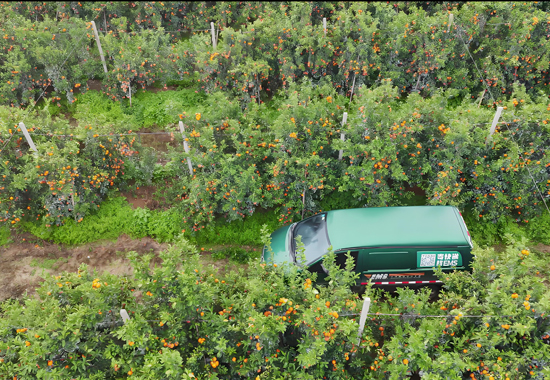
539 229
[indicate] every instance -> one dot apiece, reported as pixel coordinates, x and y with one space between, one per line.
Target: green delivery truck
389 245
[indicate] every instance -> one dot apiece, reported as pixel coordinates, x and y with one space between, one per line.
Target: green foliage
113 218
70 173
141 169
276 322
538 229
251 161
240 232
162 108
165 226
96 109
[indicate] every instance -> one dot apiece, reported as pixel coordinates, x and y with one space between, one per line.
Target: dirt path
25 262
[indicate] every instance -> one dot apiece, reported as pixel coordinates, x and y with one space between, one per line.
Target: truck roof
408 226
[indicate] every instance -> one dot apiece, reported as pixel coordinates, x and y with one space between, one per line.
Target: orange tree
186 321
286 155
69 175
36 56
137 59
419 46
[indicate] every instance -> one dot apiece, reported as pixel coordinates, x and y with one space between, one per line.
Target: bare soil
28 260
94 84
141 197
158 142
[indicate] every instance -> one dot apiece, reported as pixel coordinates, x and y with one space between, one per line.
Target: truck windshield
314 236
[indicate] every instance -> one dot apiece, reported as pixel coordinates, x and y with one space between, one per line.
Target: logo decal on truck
439 259
379 276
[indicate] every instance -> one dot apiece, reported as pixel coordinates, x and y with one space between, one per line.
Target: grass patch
236 254
238 232
116 217
95 108
48 264
113 218
5 235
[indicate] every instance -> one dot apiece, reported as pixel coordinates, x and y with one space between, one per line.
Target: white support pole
363 318
494 124
99 47
214 42
325 25
130 94
124 315
343 135
27 136
186 147
352 88
451 18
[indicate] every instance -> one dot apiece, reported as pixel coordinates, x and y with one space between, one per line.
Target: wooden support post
27 136
99 47
304 194
186 148
72 202
343 135
363 318
482 96
352 88
130 94
325 25
451 18
214 42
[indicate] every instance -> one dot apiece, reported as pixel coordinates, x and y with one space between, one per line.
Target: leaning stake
343 135
99 46
186 148
214 42
363 318
27 136
124 315
494 124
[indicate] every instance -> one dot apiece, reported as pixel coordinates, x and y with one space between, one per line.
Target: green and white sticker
430 259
